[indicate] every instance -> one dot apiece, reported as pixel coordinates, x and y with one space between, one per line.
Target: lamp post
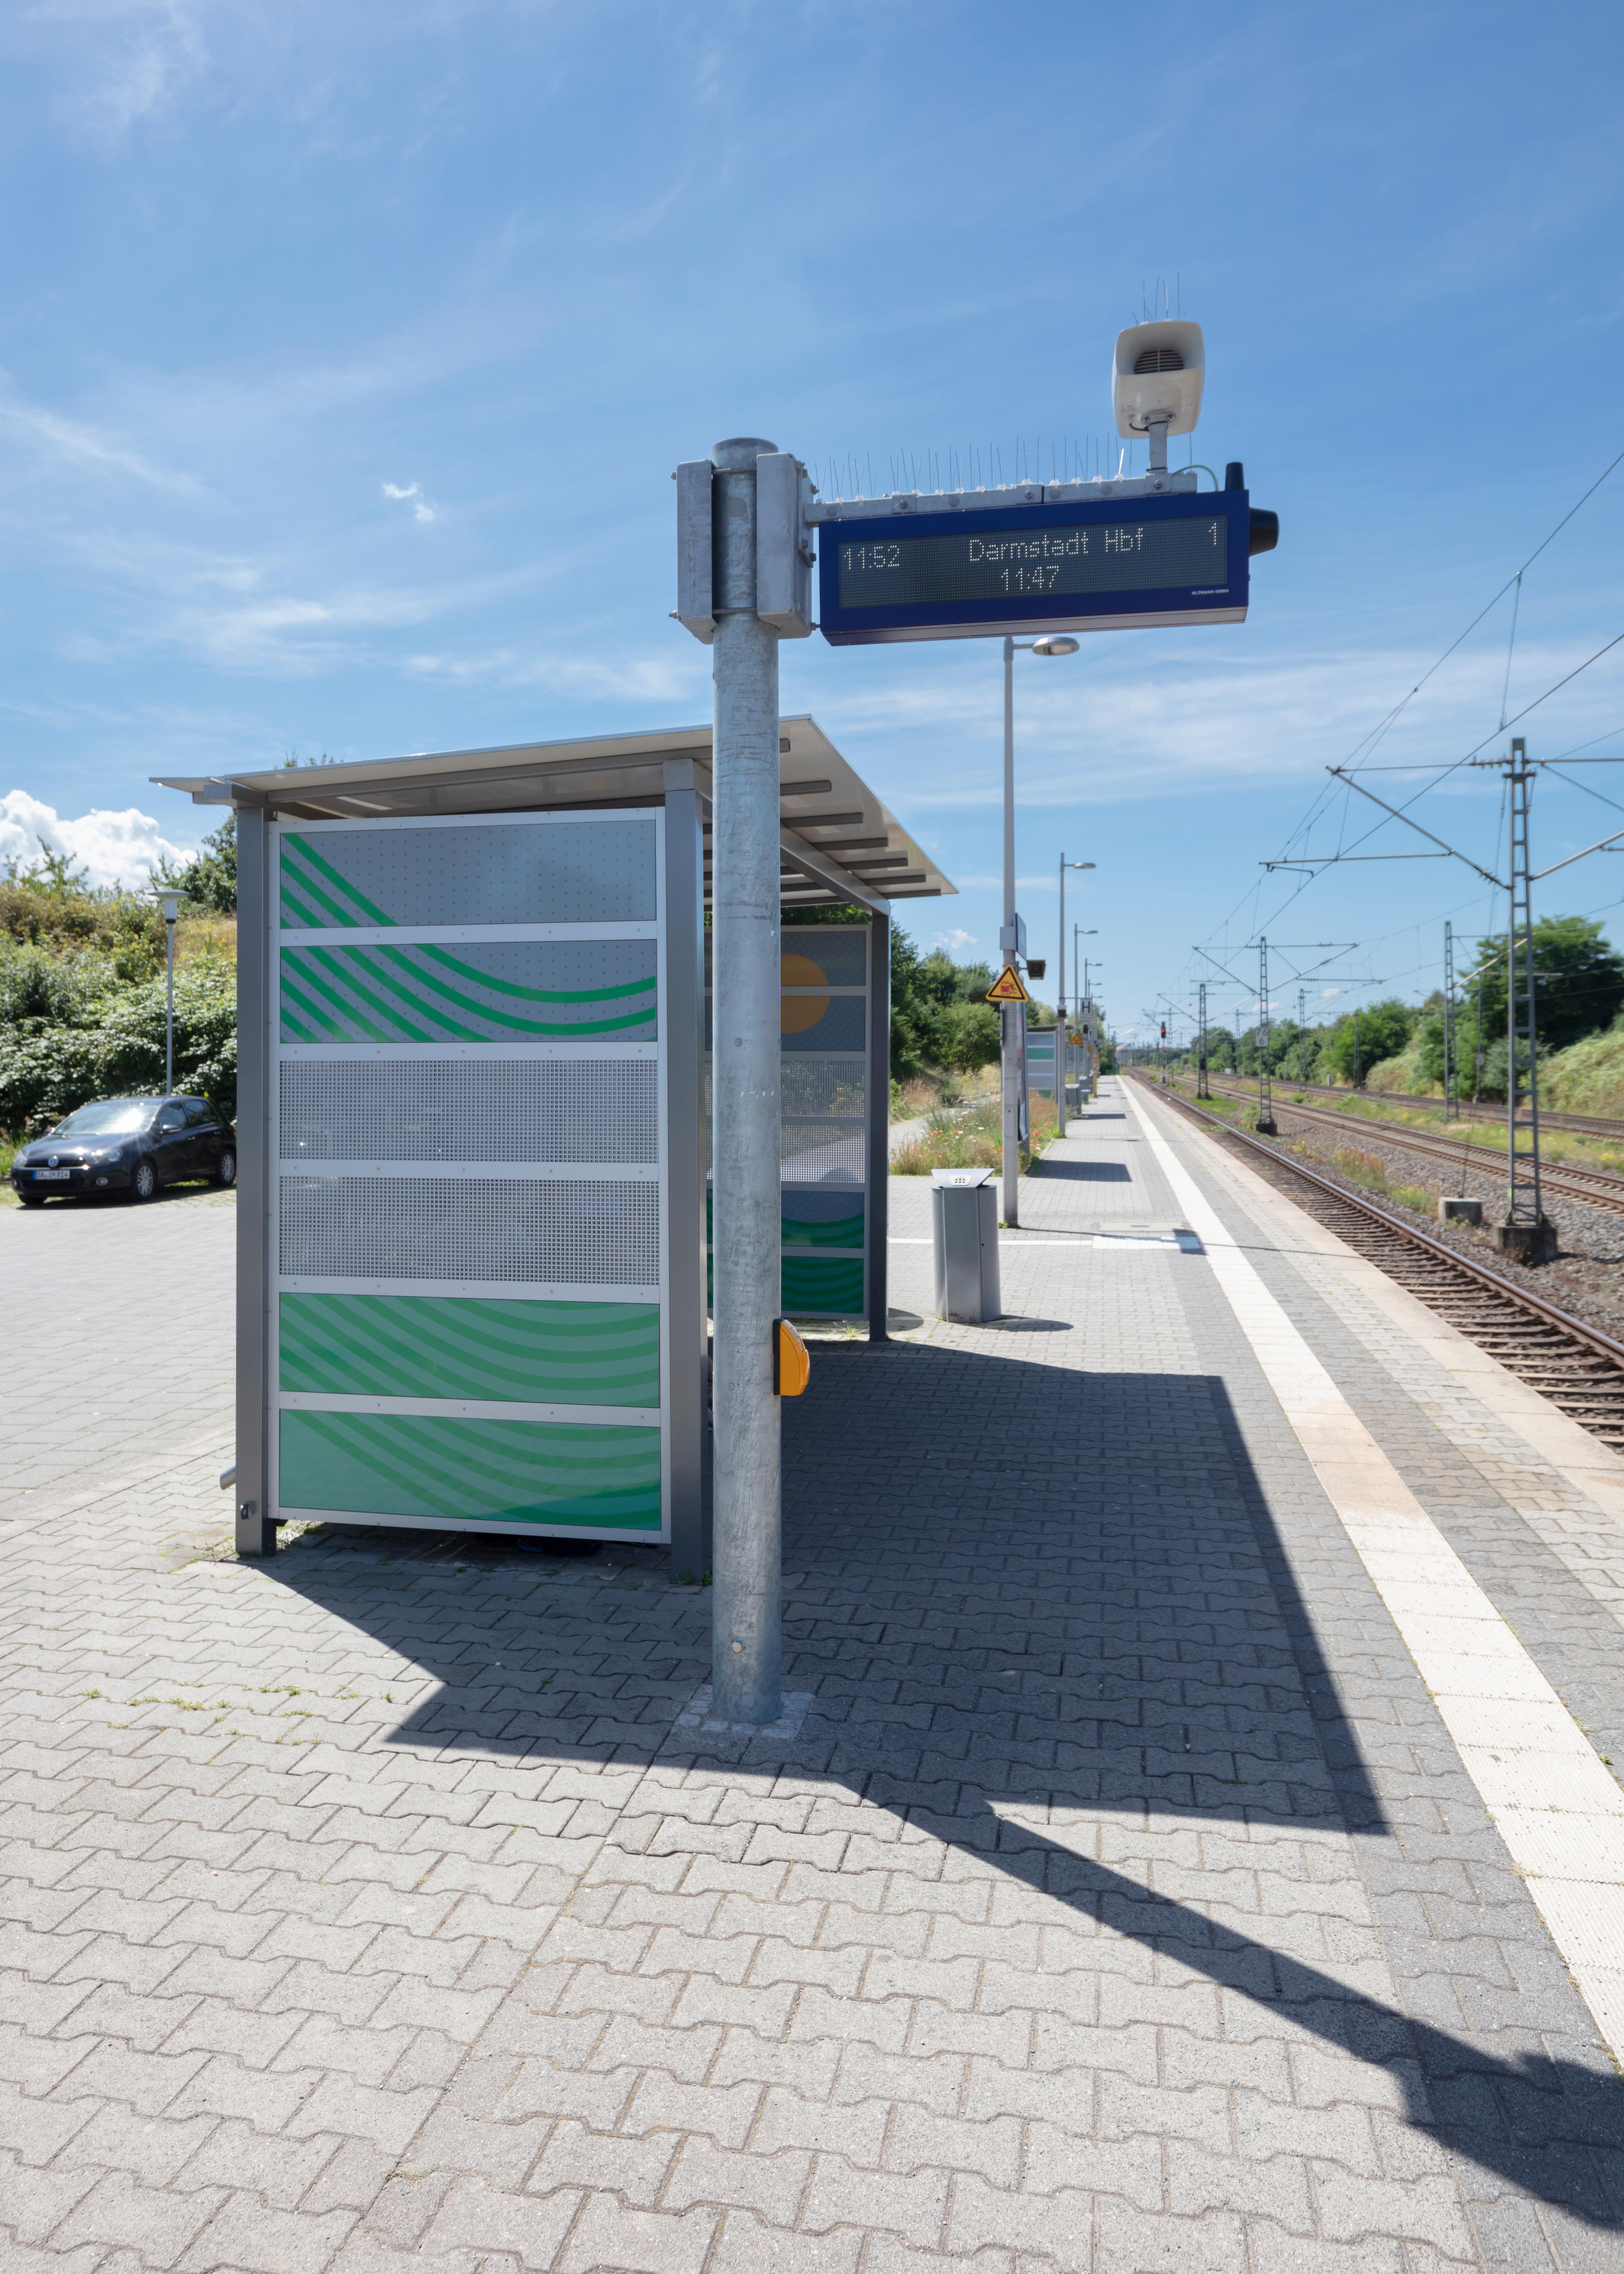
1013 1014
171 912
1060 1012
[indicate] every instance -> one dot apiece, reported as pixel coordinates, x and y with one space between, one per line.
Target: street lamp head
171 905
1055 644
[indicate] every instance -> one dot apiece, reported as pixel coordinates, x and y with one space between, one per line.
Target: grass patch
972 1139
1371 1170
935 1093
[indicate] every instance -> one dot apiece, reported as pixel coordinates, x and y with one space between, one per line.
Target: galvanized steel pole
747 1643
1060 1018
1009 1012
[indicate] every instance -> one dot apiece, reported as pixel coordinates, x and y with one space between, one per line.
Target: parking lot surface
116 1326
1128 1889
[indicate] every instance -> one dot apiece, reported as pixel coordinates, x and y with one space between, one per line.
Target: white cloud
421 509
113 848
635 679
955 942
123 59
73 443
1099 731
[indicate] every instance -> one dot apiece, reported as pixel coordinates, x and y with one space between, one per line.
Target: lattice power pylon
1452 1076
1522 1196
1266 1092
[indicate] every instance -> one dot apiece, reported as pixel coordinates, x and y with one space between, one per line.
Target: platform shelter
471 1119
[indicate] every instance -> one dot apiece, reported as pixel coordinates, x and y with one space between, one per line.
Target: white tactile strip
1558 1812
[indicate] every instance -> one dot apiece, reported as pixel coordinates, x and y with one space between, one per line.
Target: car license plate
50 1176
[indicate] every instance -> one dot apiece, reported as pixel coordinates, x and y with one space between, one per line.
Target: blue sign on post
1109 565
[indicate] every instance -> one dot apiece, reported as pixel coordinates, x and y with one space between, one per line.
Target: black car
128 1145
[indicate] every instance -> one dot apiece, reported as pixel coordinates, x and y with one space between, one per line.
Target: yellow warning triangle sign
1006 988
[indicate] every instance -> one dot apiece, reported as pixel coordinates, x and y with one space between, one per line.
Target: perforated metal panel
424 876
554 1230
809 1087
821 1152
838 956
473 1110
825 1024
823 1102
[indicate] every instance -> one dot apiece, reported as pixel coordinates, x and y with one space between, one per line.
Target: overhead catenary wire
1370 740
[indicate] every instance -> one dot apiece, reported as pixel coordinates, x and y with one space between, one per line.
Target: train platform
1192 1845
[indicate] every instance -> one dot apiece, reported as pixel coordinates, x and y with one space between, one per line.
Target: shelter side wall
467 1320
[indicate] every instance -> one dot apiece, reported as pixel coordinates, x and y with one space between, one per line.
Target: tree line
1579 992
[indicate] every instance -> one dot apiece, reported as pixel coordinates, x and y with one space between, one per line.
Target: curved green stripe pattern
403 958
374 994
537 994
542 1353
843 1231
521 1472
822 1282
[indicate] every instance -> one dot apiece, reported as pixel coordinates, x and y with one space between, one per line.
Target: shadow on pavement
1083 1172
1016 1589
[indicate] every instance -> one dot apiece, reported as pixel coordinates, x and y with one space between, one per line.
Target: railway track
1577 1124
1577 1366
1600 1188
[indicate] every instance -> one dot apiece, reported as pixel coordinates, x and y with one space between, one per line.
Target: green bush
1364 1038
36 985
1579 986
113 1042
209 878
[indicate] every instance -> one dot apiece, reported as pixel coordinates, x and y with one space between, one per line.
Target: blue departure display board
1101 566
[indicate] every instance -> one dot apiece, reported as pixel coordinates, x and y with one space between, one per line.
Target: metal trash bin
1074 1096
964 1210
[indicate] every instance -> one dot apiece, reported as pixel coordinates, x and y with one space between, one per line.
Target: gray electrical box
783 546
964 1208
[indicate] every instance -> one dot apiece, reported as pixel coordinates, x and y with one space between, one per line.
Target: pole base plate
1526 1243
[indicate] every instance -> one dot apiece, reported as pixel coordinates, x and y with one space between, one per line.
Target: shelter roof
838 840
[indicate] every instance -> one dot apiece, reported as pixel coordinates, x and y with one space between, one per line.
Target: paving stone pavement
116 1326
1120 1905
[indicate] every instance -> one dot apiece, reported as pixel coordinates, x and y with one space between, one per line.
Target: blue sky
346 350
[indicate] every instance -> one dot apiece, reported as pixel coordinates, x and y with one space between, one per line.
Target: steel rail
1577 1124
1551 1314
1599 1188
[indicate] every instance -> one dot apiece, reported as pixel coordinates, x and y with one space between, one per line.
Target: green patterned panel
823 1283
829 1217
454 1346
315 897
519 1472
839 1231
809 1221
424 994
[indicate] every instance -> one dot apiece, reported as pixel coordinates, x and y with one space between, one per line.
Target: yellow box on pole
792 1364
